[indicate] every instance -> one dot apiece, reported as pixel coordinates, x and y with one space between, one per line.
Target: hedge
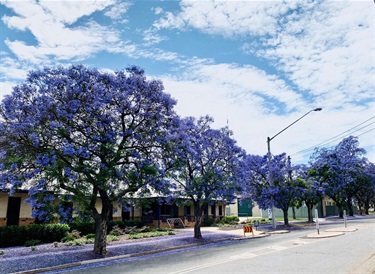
49 233
19 235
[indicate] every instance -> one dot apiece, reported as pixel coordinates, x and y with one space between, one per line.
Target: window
220 210
213 207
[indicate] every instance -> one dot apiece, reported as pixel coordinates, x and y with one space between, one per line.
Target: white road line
247 255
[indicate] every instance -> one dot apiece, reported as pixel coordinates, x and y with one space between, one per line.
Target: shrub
68 238
81 241
83 227
124 223
90 241
75 233
90 236
154 233
2 252
232 220
116 231
55 244
19 235
33 248
144 229
112 238
69 243
207 221
32 242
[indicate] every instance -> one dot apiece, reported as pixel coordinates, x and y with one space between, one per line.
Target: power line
302 155
366 132
327 141
304 152
339 136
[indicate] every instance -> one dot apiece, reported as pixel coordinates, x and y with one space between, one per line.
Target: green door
245 208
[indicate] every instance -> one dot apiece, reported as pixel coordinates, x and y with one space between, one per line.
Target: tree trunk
366 207
350 207
341 210
294 212
360 207
309 213
101 222
100 245
286 221
198 220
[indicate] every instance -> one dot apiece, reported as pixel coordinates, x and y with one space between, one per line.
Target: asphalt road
292 252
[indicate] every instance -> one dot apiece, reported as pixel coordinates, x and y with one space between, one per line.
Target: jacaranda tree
87 135
271 184
205 162
366 195
337 169
310 189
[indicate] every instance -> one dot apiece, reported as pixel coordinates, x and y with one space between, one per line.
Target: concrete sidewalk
64 257
46 258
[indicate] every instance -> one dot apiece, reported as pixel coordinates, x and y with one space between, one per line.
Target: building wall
257 212
26 211
232 208
3 208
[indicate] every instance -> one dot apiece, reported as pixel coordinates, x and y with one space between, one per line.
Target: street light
269 158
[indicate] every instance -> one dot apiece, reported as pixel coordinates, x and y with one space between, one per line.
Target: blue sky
255 65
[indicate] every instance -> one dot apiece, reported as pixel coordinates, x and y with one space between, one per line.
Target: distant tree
279 189
337 169
366 193
205 164
85 133
311 190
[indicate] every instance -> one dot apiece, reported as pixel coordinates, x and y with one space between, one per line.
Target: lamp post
269 158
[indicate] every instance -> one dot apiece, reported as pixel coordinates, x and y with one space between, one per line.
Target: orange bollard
247 229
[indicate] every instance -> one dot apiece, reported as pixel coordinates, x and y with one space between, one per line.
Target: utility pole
270 177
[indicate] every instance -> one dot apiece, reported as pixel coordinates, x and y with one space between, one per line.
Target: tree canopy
338 170
85 133
206 163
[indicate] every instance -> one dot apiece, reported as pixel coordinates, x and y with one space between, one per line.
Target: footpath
48 258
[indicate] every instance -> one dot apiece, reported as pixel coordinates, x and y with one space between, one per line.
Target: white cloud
325 48
6 88
232 93
12 68
229 92
228 18
333 56
49 22
117 11
244 82
157 10
70 11
151 37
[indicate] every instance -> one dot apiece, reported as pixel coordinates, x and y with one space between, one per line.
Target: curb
332 232
278 231
324 234
347 229
81 263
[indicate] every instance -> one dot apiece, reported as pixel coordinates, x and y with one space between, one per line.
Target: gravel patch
17 259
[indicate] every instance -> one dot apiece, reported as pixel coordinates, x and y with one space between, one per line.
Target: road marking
279 247
247 255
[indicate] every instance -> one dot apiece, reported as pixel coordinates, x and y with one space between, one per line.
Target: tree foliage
272 183
311 190
205 162
81 132
338 170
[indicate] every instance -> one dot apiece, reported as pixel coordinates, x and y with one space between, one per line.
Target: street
291 252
